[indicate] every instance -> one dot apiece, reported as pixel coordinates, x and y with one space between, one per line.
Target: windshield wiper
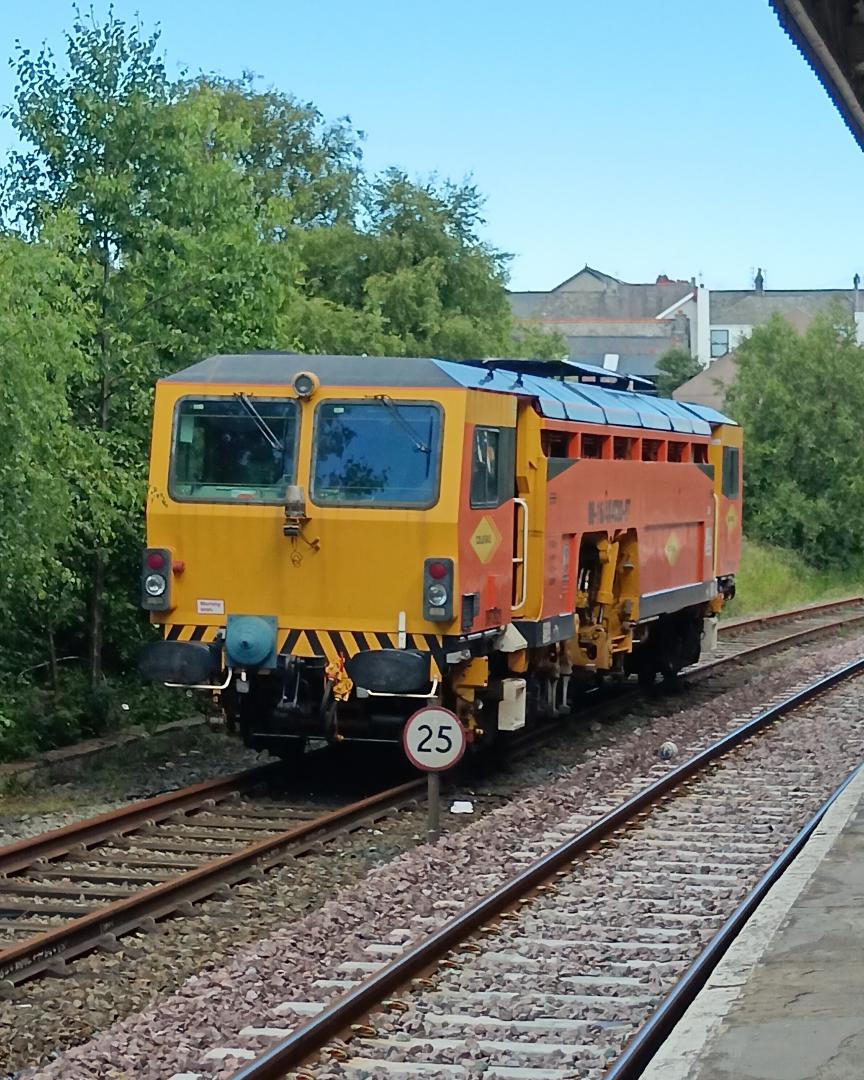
415 438
259 421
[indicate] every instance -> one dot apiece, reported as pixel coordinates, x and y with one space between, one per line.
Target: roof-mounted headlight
305 384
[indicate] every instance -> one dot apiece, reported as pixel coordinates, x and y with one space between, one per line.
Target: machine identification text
608 511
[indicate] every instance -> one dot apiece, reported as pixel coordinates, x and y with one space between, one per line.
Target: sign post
434 740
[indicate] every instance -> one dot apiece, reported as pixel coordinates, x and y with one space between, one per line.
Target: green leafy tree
800 399
150 222
674 368
434 283
415 269
534 340
176 257
38 339
287 150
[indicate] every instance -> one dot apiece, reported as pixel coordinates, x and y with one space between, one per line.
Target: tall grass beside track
772 578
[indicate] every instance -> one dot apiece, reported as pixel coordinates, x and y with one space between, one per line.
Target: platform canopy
830 34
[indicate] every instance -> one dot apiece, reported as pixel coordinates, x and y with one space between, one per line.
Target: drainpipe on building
703 325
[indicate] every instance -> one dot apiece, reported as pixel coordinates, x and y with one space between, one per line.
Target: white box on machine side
511 707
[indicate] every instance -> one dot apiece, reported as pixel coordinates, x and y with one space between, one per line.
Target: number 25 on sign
434 740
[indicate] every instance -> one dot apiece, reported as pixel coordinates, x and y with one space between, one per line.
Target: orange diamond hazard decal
485 539
672 549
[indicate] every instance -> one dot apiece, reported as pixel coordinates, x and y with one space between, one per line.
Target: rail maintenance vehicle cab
335 540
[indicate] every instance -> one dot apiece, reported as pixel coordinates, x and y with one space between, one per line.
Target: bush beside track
772 578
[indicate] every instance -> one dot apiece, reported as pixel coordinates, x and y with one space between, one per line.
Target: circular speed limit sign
434 739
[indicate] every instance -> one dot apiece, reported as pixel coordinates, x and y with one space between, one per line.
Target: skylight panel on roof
617 406
578 405
678 419
545 392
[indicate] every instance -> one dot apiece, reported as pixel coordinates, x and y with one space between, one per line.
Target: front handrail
202 686
522 561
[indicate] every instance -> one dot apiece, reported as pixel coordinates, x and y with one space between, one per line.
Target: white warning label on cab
210 607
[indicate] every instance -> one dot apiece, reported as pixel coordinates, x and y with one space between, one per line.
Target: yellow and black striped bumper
330 644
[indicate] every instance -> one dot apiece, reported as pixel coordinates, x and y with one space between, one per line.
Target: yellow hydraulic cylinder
608 564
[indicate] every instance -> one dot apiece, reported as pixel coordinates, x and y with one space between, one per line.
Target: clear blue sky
682 136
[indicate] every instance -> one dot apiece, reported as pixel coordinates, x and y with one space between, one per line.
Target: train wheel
647 677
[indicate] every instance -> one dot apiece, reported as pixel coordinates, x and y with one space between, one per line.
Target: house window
719 343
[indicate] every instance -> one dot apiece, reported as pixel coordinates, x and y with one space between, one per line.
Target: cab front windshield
380 453
240 449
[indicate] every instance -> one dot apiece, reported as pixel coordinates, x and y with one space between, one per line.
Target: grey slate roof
638 355
619 303
556 399
747 308
594 296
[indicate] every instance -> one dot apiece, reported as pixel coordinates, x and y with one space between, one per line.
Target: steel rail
337 1017
52 948
797 636
628 696
642 1047
22 853
50 845
791 613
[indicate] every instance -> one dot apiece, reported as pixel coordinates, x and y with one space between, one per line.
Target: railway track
67 892
551 975
71 890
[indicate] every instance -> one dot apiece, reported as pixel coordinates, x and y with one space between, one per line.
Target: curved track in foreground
550 975
74 889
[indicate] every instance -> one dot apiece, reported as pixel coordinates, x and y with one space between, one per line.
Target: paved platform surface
787 1001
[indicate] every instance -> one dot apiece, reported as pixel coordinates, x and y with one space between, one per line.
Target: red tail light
438 590
156 579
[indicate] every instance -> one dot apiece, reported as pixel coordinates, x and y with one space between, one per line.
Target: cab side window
730 472
485 465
